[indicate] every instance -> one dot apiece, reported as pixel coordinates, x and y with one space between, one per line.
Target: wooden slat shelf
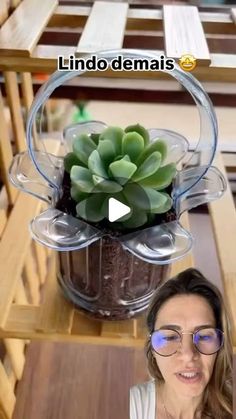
94 26
184 32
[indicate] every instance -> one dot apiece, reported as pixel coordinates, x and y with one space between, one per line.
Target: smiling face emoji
187 62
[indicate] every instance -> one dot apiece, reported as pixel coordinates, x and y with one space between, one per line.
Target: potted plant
123 165
111 268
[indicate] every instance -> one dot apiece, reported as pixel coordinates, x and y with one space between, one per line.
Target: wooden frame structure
33 43
23 264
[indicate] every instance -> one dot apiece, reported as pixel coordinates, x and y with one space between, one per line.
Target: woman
189 353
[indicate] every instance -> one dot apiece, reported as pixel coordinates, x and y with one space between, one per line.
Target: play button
116 210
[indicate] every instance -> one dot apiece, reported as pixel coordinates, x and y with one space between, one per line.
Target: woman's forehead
185 311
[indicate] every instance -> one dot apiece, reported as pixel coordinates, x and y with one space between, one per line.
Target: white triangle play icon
116 209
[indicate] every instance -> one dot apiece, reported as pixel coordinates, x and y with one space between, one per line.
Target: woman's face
187 372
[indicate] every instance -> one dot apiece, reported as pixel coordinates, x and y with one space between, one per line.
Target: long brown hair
217 399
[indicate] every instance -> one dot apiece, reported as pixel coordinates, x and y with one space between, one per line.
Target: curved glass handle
61 231
161 244
206 146
211 186
24 176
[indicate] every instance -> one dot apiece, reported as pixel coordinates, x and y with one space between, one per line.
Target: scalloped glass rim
160 244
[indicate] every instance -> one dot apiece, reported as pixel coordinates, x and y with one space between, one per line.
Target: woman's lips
189 377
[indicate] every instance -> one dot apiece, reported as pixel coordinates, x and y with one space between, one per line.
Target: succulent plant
120 164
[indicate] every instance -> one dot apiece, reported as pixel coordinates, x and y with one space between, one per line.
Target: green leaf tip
140 130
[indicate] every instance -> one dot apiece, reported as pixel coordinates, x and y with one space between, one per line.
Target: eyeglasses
207 340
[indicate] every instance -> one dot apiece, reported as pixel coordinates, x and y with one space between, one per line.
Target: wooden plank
120 329
229 160
32 278
233 14
20 295
218 23
21 32
72 11
144 19
41 260
15 108
3 220
13 249
2 414
3 209
22 323
217 17
69 16
184 33
224 227
3 11
7 397
10 373
188 260
104 28
27 89
56 314
6 154
85 326
14 3
15 350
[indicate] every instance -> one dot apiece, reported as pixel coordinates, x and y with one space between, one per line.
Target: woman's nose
187 349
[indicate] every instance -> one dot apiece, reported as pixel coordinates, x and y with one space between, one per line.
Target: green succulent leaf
83 147
126 217
90 209
120 157
95 164
161 178
138 219
71 160
140 130
115 135
82 178
157 145
122 170
76 194
151 218
106 151
166 206
104 185
95 137
146 199
133 145
148 167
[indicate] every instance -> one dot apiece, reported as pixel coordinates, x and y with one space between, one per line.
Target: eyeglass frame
187 333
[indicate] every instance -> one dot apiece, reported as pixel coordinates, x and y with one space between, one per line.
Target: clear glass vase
113 277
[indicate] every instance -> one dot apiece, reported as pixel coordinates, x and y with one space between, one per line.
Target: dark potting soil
108 282
67 204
